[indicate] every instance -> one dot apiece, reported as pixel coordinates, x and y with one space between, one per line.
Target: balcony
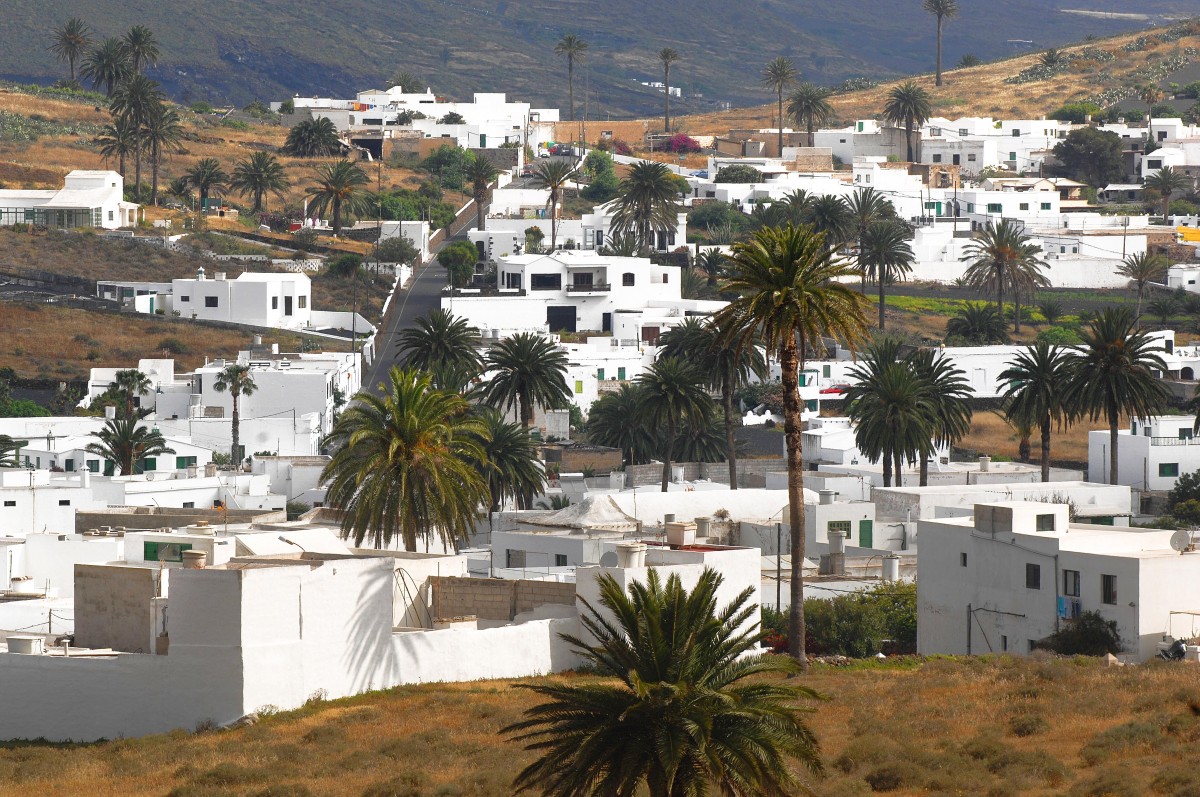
594 287
1175 441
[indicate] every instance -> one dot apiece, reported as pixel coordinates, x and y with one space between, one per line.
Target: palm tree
797 203
130 385
942 9
809 106
647 202
777 75
206 176
313 138
528 370
711 262
1037 382
442 345
161 130
667 56
892 410
789 297
509 464
106 65
140 47
69 42
683 707
1025 277
405 465
1166 181
1151 95
1051 310
831 216
671 392
257 176
127 445
116 140
886 254
999 248
908 107
1164 308
1141 269
554 176
10 452
978 324
867 206
480 173
1112 374
575 49
236 379
614 422
950 397
135 100
339 188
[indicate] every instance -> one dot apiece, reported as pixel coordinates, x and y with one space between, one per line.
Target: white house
87 199
1015 572
1151 454
1090 502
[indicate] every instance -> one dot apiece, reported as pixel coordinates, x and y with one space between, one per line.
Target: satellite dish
608 559
1181 541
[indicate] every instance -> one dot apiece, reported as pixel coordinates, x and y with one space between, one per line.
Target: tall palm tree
10 451
978 324
554 176
942 9
1151 95
69 42
998 249
950 397
671 393
886 254
797 203
206 176
1141 269
141 47
1037 381
809 106
116 140
711 262
1166 181
106 65
405 465
614 422
777 75
136 99
312 138
130 384
1112 374
339 188
647 202
831 216
257 176
892 410
575 49
908 107
788 298
127 445
480 173
529 370
667 56
509 464
684 707
236 379
444 346
161 131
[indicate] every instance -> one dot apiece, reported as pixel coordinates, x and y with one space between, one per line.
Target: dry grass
986 726
991 434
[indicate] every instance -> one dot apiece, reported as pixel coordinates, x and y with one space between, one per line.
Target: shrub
1058 335
683 144
738 174
173 346
1024 725
1077 112
894 775
344 265
1087 635
1187 487
459 260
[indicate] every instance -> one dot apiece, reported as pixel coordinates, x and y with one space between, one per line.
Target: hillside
990 726
270 49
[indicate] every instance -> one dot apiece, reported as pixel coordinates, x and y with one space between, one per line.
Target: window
962 559
627 279
185 298
514 558
1168 470
970 158
995 207
600 233
1071 583
937 158
10 503
1045 522
962 131
274 302
560 560
578 385
1184 434
1003 642
970 207
93 465
1033 576
69 465
302 302
545 282
838 527
185 462
1156 164
65 502
1108 590
111 217
1016 133
1012 156
1024 206
164 551
600 374
210 301
149 463
1045 206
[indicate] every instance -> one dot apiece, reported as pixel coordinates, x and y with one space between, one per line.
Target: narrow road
424 293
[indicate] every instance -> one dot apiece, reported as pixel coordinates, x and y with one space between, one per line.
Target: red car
836 390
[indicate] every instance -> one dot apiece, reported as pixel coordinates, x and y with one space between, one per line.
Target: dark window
1003 642
210 301
1108 589
10 503
937 158
184 462
69 465
185 298
995 207
1033 576
274 302
962 558
627 279
1071 583
560 560
1045 522
65 502
189 504
164 551
545 282
1168 469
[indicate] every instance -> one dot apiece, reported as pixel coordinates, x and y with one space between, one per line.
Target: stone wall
494 599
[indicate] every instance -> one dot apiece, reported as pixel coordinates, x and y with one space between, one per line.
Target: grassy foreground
987 726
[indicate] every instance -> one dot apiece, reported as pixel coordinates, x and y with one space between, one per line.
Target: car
835 390
702 174
528 171
543 154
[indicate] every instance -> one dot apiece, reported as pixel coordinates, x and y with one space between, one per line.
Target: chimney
195 560
110 413
826 497
985 464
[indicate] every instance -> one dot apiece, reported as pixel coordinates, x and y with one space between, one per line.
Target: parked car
702 174
835 390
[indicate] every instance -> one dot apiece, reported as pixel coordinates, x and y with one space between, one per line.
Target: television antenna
1182 541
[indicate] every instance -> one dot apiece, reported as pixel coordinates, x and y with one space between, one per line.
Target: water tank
826 496
891 567
703 527
26 644
195 560
837 542
669 517
631 554
985 464
680 534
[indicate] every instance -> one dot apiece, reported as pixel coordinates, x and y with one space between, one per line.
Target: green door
866 533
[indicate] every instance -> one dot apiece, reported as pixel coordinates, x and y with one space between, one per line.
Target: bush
344 265
459 260
1024 725
1061 336
1187 487
1077 112
1088 635
738 174
894 775
859 625
713 214
305 238
173 345
397 250
682 144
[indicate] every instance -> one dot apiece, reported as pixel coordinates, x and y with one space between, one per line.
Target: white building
1090 502
1151 454
1015 572
87 199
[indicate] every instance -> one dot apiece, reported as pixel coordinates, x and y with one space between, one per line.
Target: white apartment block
1151 454
87 199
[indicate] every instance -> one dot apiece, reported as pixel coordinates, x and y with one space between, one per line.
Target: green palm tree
257 176
808 106
942 9
554 176
1142 269
206 176
443 346
312 138
1164 308
1051 310
1037 382
908 107
136 99
575 49
892 412
129 385
1166 181
867 206
127 445
671 393
885 253
140 47
711 262
528 370
10 452
69 42
700 441
480 173
1151 95
106 65
339 188
998 249
647 202
798 203
831 216
161 131
683 707
116 140
509 463
1112 374
667 56
950 396
405 465
978 324
777 75
614 422
1025 277
236 379
789 297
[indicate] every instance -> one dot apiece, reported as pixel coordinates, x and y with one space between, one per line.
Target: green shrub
895 775
173 346
738 173
1028 725
1087 635
1061 336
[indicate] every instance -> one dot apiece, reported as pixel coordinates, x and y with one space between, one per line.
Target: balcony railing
596 287
1174 441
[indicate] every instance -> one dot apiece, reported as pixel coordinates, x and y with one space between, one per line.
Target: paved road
423 294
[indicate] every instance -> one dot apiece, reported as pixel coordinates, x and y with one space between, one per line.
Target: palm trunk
899 467
235 458
881 281
480 199
1000 293
1017 309
667 99
1112 451
780 117
571 87
337 217
887 469
526 407
790 361
154 155
137 169
939 51
666 474
924 481
1046 448
730 440
553 219
1138 317
908 131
